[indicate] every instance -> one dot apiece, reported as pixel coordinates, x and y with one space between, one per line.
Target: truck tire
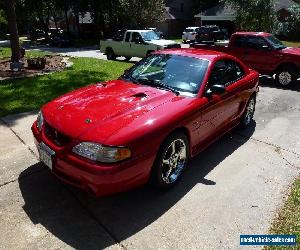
286 75
110 54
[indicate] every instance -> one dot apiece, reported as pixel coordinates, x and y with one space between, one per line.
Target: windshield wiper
157 83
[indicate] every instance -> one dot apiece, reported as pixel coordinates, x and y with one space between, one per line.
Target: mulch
53 63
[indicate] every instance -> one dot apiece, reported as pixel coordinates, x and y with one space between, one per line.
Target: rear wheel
171 160
248 114
286 76
110 54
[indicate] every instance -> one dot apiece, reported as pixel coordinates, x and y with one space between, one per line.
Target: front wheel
286 76
171 161
248 114
110 54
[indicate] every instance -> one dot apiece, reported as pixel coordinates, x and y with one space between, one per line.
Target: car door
138 46
220 110
125 45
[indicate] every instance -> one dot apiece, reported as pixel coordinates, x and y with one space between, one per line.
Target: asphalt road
234 187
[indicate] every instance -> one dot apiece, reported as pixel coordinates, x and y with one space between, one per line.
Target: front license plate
46 155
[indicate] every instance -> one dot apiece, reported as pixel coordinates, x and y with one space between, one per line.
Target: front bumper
95 178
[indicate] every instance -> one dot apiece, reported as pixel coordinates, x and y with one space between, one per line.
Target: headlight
40 121
98 152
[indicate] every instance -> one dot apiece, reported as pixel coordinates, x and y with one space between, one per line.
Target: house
224 14
178 15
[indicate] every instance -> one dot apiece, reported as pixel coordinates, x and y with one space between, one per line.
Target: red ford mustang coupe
113 136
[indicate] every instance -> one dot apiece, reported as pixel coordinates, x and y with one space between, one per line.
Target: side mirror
216 89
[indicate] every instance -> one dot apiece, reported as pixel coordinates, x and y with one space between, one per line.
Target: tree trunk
13 30
66 16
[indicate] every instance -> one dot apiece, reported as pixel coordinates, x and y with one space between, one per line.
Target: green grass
5 52
28 94
288 220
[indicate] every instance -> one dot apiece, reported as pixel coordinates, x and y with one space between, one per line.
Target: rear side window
226 72
127 37
251 42
240 41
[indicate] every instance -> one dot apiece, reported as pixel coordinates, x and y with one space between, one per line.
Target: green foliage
293 22
201 5
141 13
255 15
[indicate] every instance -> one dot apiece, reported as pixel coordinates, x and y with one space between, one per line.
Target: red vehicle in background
113 136
263 53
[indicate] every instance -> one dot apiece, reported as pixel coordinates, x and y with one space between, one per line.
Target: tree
255 15
13 29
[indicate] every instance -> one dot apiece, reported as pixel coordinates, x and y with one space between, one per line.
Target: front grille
55 136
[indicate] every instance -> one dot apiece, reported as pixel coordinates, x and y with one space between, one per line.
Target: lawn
288 220
5 52
28 94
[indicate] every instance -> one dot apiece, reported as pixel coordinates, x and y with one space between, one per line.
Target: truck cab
135 43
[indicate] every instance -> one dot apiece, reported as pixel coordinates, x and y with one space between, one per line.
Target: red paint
120 119
263 61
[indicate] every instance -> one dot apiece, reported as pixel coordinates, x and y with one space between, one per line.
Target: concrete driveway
234 187
92 52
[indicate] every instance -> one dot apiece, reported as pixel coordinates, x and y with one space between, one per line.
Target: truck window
255 42
136 37
127 37
240 41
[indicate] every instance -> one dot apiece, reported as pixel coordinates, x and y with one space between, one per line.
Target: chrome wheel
285 78
173 161
249 112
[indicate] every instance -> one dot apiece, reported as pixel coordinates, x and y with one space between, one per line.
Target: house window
181 7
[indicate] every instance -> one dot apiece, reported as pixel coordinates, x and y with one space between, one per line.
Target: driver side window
225 73
136 37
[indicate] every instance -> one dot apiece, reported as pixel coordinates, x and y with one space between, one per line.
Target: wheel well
182 130
108 49
286 65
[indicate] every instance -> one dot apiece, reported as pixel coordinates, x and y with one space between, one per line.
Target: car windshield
150 35
277 44
173 72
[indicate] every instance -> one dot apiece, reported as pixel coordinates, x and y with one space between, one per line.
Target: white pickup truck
134 43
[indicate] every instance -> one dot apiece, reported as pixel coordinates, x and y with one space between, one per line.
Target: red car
113 136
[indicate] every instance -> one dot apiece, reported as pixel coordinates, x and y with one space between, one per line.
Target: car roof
192 27
209 55
264 34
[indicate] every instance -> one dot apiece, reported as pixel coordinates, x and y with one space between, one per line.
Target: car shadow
120 215
270 82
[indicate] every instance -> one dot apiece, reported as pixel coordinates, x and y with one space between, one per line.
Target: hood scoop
141 96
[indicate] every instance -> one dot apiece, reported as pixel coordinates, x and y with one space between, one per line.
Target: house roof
227 11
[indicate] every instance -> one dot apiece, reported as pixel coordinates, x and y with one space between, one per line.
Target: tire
286 76
127 58
248 114
110 54
170 162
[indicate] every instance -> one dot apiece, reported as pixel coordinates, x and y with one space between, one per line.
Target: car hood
106 106
162 42
291 51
